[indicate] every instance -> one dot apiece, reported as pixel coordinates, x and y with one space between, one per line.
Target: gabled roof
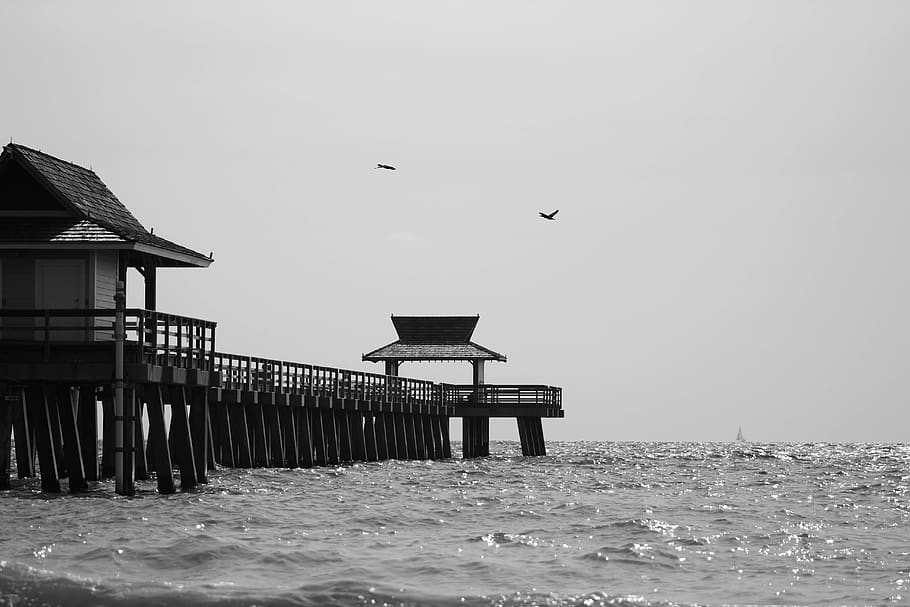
92 214
429 338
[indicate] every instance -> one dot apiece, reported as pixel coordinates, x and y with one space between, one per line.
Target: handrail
180 341
504 395
240 372
162 338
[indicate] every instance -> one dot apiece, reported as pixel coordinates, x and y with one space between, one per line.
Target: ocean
592 523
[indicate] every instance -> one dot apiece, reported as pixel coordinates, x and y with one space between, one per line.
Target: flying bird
551 216
385 166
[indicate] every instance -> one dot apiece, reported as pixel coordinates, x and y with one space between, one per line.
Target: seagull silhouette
384 166
551 216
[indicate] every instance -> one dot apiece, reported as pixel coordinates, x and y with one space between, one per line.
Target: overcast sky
733 180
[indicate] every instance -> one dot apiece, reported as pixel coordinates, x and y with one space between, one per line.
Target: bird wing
553 214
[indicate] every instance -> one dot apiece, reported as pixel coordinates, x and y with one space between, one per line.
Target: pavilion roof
69 205
429 338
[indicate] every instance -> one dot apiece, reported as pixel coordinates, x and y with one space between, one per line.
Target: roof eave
181 259
199 261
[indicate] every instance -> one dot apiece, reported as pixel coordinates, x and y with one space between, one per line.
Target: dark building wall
17 290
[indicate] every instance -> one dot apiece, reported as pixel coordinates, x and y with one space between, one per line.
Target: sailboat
739 435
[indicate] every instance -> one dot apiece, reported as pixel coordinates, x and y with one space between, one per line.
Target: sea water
592 523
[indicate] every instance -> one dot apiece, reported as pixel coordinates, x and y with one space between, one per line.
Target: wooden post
410 421
182 439
158 438
210 452
523 435
56 431
358 436
140 454
123 423
276 446
108 469
379 430
467 438
243 457
199 431
319 438
421 438
331 435
342 422
151 282
429 439
66 407
541 447
446 436
291 452
88 431
401 436
24 433
6 434
258 438
391 436
225 445
47 460
304 435
369 434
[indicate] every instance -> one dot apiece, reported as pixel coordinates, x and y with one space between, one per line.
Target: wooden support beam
210 452
161 457
446 436
199 431
24 434
401 436
221 431
484 436
182 439
319 437
541 446
379 431
330 431
436 431
419 437
72 450
47 460
274 433
6 435
358 436
87 424
391 429
140 454
343 423
429 437
56 430
289 439
369 434
108 466
258 437
240 436
522 435
305 447
467 438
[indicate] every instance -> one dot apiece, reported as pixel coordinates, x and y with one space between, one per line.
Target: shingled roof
70 204
427 338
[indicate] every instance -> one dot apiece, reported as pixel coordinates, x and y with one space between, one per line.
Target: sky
732 179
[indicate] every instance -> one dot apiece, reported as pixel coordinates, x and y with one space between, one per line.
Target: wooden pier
68 344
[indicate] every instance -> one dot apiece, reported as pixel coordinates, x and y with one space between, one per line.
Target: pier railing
239 372
160 338
170 340
505 395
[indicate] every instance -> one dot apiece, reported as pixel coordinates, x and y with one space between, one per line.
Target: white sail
739 435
